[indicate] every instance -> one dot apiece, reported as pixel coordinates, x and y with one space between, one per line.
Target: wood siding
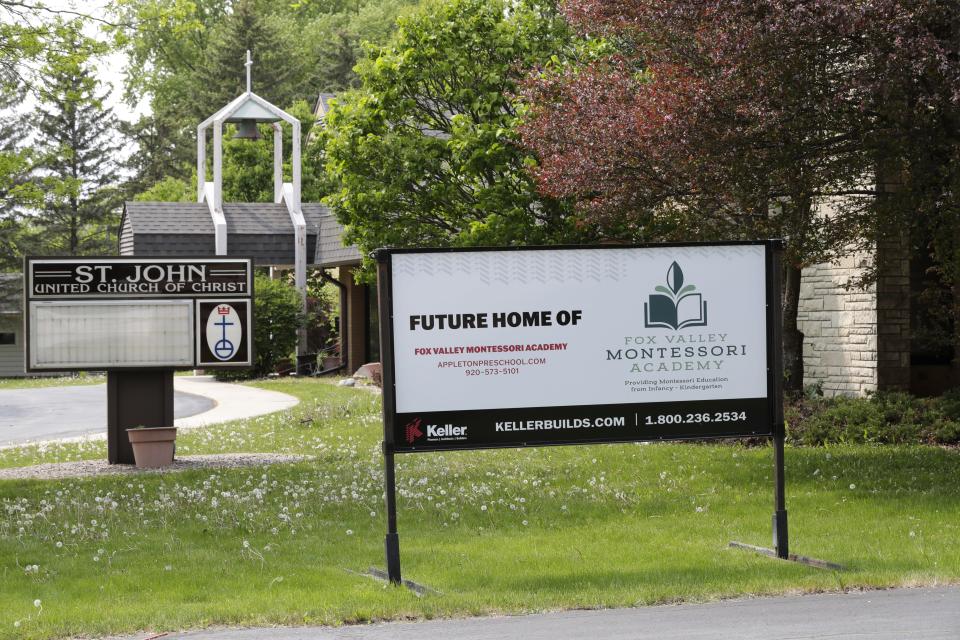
11 355
126 237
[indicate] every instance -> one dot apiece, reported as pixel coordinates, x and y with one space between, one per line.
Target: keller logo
446 432
412 430
675 306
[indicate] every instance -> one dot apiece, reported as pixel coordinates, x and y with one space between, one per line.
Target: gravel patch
90 468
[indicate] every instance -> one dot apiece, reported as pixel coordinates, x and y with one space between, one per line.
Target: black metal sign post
385 300
456 429
775 349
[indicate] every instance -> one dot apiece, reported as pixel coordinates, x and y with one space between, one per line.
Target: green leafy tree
27 31
337 40
76 148
166 43
276 307
710 119
425 153
170 190
186 58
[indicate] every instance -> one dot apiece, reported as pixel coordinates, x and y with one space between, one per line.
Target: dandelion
37 603
246 544
852 486
483 507
524 523
349 532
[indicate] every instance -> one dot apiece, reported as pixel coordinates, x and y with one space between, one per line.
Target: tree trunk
792 336
955 303
956 331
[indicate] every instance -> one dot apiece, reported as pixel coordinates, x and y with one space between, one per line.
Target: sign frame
391 414
773 250
29 263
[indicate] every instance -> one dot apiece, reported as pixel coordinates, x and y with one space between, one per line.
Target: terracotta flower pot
153 446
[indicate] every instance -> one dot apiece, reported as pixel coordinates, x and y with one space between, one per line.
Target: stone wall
840 328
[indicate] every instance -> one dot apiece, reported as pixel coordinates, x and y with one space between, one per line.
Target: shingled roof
330 251
262 230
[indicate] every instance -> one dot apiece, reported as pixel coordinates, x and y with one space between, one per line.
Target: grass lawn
52 381
492 531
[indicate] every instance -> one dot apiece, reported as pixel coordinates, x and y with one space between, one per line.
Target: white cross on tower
248 64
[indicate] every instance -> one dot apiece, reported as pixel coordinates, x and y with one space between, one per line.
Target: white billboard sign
650 336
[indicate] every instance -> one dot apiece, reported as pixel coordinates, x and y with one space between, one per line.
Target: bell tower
247 111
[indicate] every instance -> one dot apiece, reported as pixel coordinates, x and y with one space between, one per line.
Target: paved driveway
66 412
897 614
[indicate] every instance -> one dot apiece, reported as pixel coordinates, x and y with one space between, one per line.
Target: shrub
277 315
885 418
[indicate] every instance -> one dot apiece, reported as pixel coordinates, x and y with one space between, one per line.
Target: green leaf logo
674 277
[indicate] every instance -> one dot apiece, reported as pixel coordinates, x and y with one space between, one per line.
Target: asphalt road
66 412
897 614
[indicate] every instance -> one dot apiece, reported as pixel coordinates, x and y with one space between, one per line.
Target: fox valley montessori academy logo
675 306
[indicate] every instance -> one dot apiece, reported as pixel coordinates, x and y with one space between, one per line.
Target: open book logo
675 306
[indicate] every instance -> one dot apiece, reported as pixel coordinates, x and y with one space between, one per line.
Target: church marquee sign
119 313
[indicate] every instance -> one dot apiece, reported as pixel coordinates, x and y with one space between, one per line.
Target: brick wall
840 328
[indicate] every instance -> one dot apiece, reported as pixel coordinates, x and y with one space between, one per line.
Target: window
8 338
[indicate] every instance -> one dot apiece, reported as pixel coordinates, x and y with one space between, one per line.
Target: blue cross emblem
224 349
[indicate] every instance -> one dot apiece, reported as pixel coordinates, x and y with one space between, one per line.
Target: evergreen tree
16 190
222 76
335 62
77 146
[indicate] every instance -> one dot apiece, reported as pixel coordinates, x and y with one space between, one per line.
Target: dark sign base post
391 542
780 539
775 385
136 398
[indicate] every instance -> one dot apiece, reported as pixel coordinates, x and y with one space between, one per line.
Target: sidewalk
231 401
896 614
